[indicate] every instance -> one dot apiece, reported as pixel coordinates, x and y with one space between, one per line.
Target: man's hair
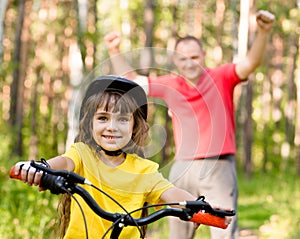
188 38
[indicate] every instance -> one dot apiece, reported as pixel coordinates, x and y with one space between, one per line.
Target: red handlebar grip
209 220
13 175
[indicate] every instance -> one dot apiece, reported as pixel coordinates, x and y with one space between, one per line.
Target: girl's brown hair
112 101
115 102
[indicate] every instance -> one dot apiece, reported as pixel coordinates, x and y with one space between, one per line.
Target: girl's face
112 131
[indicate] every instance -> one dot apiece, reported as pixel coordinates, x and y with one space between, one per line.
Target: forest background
50 49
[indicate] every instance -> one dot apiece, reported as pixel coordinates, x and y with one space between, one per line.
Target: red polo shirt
203 115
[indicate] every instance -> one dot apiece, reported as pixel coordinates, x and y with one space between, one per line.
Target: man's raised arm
255 55
121 67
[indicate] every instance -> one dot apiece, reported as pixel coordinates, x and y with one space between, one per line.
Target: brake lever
197 205
73 177
201 205
218 212
222 213
44 168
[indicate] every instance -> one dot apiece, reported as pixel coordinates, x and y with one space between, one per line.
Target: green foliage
24 212
268 208
268 203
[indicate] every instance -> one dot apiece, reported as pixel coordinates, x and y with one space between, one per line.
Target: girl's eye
102 118
124 119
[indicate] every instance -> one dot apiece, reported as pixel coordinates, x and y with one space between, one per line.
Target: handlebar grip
51 182
209 220
13 175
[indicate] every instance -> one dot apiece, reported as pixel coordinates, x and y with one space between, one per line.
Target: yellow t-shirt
132 183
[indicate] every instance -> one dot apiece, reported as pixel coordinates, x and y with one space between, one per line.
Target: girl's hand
28 174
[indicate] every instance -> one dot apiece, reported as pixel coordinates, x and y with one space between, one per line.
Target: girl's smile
110 139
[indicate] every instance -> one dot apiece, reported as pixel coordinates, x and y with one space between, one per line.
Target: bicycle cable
136 210
113 225
81 210
154 205
124 209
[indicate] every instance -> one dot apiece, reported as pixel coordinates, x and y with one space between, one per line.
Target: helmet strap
109 153
113 153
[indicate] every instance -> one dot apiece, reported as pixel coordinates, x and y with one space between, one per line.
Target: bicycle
62 181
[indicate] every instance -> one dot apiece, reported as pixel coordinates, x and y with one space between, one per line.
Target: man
201 103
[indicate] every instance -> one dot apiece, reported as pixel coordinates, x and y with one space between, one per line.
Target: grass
269 207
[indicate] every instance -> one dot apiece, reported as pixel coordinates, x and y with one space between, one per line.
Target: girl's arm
61 163
32 177
176 195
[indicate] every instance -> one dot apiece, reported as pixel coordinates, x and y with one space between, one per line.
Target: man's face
189 60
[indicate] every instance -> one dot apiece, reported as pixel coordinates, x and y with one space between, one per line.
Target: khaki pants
216 180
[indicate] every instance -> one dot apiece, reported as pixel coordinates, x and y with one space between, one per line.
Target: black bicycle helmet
119 84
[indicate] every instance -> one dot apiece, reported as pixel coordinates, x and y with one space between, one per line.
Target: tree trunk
247 111
289 109
3 6
167 150
77 55
297 130
240 52
219 16
146 57
291 88
17 61
248 129
17 88
76 76
33 122
82 15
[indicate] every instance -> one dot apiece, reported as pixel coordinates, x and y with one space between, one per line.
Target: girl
108 151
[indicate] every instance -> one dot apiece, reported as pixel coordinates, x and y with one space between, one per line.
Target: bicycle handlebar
62 181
